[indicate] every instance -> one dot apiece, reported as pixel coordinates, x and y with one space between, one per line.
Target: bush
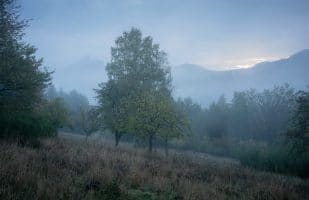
280 159
25 128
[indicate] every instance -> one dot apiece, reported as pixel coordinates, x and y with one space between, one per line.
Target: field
68 167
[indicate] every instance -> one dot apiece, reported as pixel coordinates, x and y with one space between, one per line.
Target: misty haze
154 100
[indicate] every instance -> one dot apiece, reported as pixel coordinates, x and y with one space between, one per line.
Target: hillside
69 168
206 86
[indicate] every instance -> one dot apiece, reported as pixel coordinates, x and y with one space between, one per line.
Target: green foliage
262 115
89 120
146 194
22 78
266 130
251 115
137 97
217 119
56 112
195 118
280 159
22 81
114 106
298 134
141 195
76 106
25 128
110 191
290 156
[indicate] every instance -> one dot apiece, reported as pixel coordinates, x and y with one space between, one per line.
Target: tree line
266 129
250 115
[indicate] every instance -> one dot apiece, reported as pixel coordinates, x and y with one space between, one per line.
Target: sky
215 34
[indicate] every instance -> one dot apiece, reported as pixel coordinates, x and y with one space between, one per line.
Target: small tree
173 122
114 108
89 120
56 112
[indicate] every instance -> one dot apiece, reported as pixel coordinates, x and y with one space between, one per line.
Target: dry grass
69 168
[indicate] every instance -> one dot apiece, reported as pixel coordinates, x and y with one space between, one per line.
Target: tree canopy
22 79
132 101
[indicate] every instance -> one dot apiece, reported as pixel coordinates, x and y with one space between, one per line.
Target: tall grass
70 168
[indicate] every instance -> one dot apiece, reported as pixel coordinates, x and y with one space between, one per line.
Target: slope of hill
205 86
67 167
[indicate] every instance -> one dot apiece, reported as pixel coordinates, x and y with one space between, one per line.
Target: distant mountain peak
189 65
206 85
302 53
194 67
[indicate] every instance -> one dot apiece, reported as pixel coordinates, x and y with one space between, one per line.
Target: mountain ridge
205 85
201 84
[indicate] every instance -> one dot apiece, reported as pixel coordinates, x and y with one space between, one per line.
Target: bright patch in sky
250 62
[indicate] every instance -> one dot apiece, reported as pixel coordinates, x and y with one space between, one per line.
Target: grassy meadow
68 167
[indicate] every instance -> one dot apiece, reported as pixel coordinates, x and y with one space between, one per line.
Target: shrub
280 158
25 128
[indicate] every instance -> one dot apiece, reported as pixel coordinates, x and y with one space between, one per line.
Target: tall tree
269 111
22 78
217 119
298 134
138 74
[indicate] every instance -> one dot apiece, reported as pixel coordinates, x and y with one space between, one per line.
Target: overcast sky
220 33
216 34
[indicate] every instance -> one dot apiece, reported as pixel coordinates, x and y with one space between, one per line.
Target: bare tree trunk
154 144
166 147
117 138
150 143
87 137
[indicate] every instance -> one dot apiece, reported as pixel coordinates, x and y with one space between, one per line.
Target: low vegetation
67 167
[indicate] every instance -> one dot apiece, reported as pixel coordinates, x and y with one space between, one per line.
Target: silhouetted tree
298 134
217 119
22 78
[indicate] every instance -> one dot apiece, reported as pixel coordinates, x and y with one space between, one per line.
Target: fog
75 36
